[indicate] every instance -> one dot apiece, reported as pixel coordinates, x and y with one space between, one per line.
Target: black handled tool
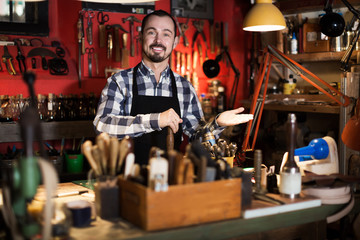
20 58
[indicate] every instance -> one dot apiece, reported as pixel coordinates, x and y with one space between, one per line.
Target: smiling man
143 101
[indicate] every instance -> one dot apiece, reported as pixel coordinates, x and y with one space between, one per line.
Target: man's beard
156 57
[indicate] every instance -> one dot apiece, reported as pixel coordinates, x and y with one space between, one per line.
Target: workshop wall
63 19
62 22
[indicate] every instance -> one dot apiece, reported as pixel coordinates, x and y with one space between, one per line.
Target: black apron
153 104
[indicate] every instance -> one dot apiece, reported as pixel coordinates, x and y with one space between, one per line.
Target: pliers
20 58
7 59
199 25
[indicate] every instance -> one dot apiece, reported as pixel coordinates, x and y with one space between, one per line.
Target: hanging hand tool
125 52
42 52
218 37
20 58
138 29
199 25
184 27
131 20
7 59
102 19
82 29
89 52
89 15
178 62
117 28
109 44
80 44
200 53
212 35
183 64
96 63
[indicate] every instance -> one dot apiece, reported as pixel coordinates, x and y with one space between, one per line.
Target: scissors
89 52
102 18
89 15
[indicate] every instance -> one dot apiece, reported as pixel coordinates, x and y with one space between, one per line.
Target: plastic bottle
294 44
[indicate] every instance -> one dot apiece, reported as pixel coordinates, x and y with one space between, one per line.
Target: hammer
116 28
131 20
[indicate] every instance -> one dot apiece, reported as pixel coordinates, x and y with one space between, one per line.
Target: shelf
10 132
296 6
319 56
277 103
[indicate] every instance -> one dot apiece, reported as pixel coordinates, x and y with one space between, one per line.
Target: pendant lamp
264 17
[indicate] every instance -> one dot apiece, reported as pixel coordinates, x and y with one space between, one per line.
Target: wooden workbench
309 223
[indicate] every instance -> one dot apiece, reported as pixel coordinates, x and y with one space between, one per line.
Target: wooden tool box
312 41
181 205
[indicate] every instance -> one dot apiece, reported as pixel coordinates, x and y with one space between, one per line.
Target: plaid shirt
113 113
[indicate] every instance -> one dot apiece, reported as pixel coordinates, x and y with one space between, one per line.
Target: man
143 101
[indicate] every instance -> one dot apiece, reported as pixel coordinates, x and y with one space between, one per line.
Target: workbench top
121 229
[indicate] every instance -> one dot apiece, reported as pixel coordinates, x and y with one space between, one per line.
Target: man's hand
232 117
171 119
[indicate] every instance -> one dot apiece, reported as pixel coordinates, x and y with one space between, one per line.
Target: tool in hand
170 139
199 25
89 15
131 20
42 52
90 52
102 19
117 28
20 58
7 59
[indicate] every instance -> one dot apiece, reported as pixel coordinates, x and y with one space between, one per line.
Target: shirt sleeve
113 113
193 114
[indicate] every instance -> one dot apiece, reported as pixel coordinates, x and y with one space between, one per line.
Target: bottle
221 100
207 109
294 44
51 108
41 106
290 176
60 108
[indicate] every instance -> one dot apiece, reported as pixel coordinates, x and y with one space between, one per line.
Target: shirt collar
146 71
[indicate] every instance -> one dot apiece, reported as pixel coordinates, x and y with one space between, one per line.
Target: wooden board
181 205
261 208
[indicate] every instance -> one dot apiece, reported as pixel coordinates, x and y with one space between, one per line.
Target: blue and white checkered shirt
113 113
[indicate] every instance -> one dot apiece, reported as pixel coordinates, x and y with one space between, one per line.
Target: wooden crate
181 205
311 39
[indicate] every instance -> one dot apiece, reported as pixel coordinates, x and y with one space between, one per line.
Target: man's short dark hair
159 13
